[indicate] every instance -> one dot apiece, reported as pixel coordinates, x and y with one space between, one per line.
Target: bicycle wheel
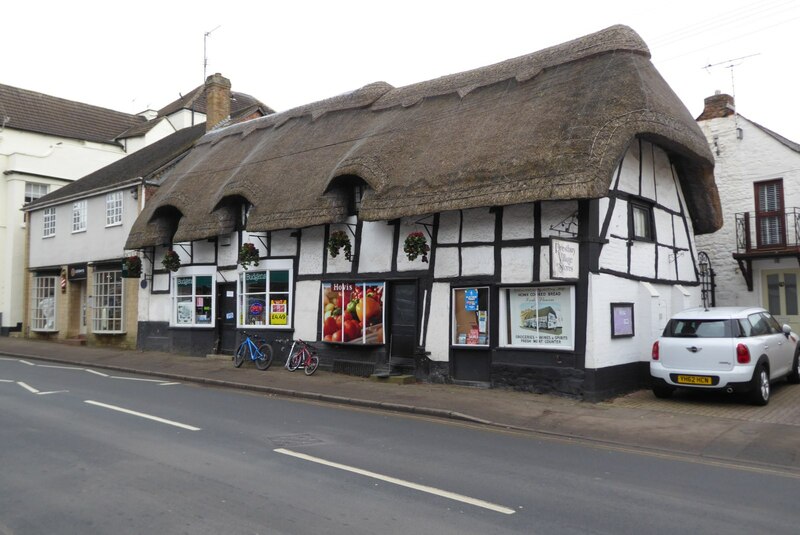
312 364
241 354
264 356
296 359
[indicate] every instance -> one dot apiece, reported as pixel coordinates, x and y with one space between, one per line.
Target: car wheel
760 393
662 391
794 375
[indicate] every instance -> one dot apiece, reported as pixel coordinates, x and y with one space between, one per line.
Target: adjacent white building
755 256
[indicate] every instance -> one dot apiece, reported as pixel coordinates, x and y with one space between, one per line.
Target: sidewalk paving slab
719 429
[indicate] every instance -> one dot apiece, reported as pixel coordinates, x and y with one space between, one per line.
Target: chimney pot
717 106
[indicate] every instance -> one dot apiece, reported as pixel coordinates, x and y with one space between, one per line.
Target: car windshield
693 328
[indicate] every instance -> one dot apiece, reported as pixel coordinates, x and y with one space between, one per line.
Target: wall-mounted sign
77 272
622 320
564 259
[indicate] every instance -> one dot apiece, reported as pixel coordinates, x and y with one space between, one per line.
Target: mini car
733 349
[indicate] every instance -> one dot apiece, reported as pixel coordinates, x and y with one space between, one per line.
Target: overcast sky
135 55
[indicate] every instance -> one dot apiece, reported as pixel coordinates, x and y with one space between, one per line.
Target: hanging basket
248 254
131 267
171 261
416 245
339 240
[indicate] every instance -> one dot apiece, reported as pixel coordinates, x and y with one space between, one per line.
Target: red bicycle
302 355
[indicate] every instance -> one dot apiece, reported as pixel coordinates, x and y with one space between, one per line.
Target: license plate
693 380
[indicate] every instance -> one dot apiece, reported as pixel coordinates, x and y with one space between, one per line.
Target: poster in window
184 312
352 312
621 320
541 317
277 311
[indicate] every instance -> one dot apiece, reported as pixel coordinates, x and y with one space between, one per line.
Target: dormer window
357 194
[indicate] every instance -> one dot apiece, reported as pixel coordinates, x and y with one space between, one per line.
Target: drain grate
295 441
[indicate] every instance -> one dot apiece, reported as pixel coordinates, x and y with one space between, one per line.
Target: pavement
715 427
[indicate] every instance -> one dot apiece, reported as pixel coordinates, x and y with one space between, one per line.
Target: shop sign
77 272
564 259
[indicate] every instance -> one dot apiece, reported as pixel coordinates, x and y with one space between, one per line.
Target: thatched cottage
571 180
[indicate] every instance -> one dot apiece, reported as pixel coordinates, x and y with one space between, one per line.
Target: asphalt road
88 451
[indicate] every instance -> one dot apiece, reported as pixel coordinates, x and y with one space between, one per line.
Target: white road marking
28 363
52 392
137 379
402 483
168 384
6 381
28 387
142 415
96 373
58 367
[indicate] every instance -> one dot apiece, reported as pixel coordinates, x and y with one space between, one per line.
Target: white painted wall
438 340
755 157
375 254
312 249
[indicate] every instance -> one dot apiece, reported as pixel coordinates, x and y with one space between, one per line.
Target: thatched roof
550 125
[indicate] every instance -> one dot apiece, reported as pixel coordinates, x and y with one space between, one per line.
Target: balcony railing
768 231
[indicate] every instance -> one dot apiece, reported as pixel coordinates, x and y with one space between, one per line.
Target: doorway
402 322
780 295
226 318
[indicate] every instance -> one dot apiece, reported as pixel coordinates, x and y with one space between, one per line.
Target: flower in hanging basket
416 245
171 261
132 265
339 240
248 254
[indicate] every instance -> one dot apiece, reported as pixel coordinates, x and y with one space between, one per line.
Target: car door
781 348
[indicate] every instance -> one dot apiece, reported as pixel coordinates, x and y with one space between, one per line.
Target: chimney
718 106
218 100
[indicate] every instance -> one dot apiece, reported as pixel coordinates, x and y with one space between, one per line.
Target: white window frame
43 313
191 299
266 267
31 195
79 216
114 209
108 302
49 222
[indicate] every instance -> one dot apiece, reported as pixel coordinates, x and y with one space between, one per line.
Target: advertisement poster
277 311
353 313
541 317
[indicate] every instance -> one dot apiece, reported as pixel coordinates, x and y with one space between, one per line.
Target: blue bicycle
260 354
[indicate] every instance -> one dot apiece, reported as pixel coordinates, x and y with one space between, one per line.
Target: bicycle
302 355
260 354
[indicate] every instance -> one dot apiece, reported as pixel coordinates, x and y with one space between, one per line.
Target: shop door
402 319
226 320
780 295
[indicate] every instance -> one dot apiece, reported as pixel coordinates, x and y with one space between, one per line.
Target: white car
734 349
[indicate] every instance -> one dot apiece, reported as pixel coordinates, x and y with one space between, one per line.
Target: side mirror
786 329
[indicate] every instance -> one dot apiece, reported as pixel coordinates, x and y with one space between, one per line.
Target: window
114 209
471 316
193 301
49 223
641 221
353 312
543 318
35 191
43 303
108 308
769 213
264 298
79 216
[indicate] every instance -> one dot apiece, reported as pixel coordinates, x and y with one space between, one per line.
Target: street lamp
706 279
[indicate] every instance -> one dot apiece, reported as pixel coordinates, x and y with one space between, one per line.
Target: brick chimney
718 106
218 100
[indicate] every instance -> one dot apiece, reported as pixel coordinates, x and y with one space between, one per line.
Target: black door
226 317
403 320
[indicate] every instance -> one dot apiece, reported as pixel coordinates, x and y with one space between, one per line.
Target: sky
144 54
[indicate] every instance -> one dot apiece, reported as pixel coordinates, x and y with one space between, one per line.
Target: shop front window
471 316
108 304
264 298
353 312
193 301
43 303
538 317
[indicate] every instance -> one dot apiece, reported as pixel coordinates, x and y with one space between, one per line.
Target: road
88 451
